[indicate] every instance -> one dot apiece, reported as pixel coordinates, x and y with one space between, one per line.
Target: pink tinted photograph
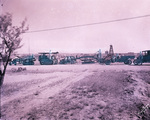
74 60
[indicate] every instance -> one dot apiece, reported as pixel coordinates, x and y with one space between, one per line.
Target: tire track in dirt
20 89
12 90
34 96
48 94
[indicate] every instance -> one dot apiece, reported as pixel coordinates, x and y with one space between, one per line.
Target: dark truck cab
144 57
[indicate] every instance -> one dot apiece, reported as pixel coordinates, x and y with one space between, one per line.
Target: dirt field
76 92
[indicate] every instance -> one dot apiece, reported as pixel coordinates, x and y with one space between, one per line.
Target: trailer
68 60
88 59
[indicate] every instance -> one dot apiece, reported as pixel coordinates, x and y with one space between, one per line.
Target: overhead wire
89 24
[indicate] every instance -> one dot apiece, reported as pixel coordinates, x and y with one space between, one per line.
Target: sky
125 36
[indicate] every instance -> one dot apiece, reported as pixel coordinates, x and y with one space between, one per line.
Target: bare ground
77 92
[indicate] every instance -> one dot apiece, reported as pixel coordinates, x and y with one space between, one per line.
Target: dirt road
77 92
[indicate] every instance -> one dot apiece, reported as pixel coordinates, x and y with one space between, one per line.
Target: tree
10 38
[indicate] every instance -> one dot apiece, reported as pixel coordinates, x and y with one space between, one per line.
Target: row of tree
10 39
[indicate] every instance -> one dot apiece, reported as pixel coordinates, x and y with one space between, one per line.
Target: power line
90 24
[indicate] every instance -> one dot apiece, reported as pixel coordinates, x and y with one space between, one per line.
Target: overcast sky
125 36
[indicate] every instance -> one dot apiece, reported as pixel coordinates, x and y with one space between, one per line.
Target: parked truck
29 60
126 59
25 60
46 58
144 57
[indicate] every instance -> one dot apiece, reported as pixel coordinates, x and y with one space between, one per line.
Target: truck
15 61
29 60
46 58
126 59
144 57
26 60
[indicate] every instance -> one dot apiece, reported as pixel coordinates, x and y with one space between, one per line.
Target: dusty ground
77 92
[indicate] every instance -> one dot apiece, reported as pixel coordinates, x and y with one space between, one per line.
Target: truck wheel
135 62
41 62
51 62
55 62
72 62
32 63
140 63
107 62
129 62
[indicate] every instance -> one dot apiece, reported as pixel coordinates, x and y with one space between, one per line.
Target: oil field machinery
15 61
68 60
108 58
46 58
87 59
27 60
